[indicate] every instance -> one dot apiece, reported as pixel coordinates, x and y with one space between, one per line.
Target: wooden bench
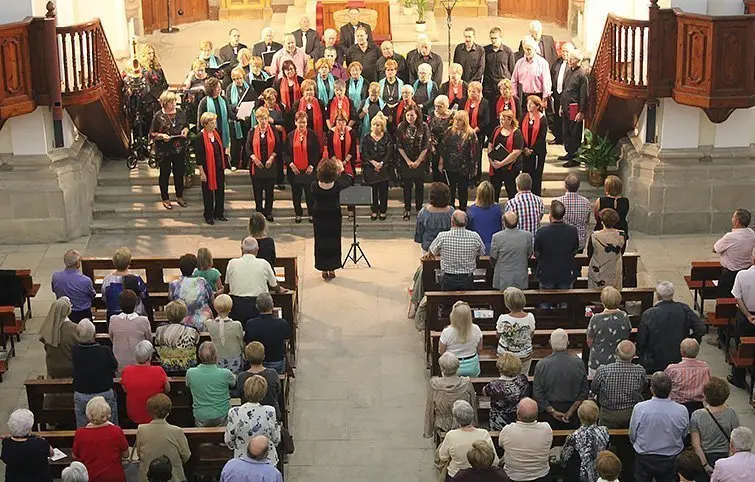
702 281
484 277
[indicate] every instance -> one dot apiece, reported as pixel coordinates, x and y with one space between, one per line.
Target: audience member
160 470
481 457
435 217
516 328
735 249
271 331
605 250
100 445
127 329
689 376
744 292
58 334
122 279
25 455
688 467
740 466
510 253
210 385
254 353
618 387
662 329
657 430
531 75
252 466
195 292
451 455
555 245
76 472
176 343
607 329
578 208
485 214
463 338
206 270
227 334
458 249
586 443
142 381
77 287
160 438
506 391
443 391
499 64
608 466
94 367
560 384
527 205
266 244
471 57
526 445
710 427
247 277
614 200
575 93
252 419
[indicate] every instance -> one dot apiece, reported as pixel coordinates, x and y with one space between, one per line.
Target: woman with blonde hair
607 329
314 108
227 334
506 391
176 343
263 146
258 230
614 200
506 99
251 419
586 442
356 86
326 84
210 153
605 248
169 129
504 152
372 105
485 216
463 338
244 58
153 72
458 152
377 156
100 445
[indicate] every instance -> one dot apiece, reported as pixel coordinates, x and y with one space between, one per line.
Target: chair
12 293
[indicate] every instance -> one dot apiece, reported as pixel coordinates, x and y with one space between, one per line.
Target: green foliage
407 3
597 152
421 7
191 157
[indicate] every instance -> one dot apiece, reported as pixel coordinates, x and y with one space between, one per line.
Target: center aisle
359 396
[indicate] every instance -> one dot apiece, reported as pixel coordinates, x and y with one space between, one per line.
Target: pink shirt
299 58
533 77
740 467
735 248
688 377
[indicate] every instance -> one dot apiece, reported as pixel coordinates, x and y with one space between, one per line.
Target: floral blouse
505 393
587 442
248 421
607 330
459 153
197 294
177 346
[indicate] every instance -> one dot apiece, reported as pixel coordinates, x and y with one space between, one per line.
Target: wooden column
52 69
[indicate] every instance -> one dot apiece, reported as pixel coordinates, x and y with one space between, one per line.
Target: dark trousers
175 163
504 177
419 193
237 145
77 316
726 283
263 195
571 135
456 282
659 467
244 308
742 327
558 424
554 119
379 197
458 181
478 156
692 406
296 192
214 200
533 165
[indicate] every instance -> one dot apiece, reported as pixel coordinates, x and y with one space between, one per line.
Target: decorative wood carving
16 90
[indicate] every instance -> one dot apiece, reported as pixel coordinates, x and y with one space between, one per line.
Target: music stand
356 196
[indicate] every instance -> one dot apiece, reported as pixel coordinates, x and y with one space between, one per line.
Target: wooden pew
484 279
703 282
30 288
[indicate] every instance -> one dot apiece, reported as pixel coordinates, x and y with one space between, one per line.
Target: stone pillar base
48 198
684 191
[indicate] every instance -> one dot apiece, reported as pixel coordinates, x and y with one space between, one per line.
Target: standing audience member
159 438
25 456
578 208
100 445
481 457
58 334
657 430
120 280
688 467
607 329
531 75
210 385
740 466
586 442
608 466
443 391
248 277
141 382
735 249
506 391
485 214
463 338
689 376
574 106
127 330
744 291
227 334
94 367
251 419
194 291
254 353
555 245
558 74
527 205
516 328
499 64
605 249
458 249
526 445
471 57
662 329
618 387
452 452
434 217
271 331
710 427
510 253
614 200
176 343
253 466
544 44
77 287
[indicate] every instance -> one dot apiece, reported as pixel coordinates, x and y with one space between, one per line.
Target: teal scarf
355 91
222 119
325 94
429 88
235 97
212 62
366 120
382 86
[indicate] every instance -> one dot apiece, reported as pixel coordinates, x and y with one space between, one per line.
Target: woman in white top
451 456
516 328
227 334
251 419
462 338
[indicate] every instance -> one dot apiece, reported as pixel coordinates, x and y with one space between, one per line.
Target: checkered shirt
688 377
529 207
578 210
619 385
459 249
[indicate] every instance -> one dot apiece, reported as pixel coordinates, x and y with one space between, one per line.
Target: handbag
287 441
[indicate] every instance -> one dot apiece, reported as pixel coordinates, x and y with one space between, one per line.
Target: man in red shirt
142 381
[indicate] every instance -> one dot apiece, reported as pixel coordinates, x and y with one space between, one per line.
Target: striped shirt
688 377
459 249
578 210
529 207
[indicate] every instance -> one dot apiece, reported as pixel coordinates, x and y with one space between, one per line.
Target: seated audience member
506 392
252 419
74 285
657 430
253 465
608 466
24 455
210 388
94 367
435 217
206 270
58 334
688 468
159 438
254 353
195 292
555 245
248 277
710 427
740 466
452 452
618 387
662 329
606 329
463 338
266 244
100 445
689 376
271 331
443 392
526 445
122 279
481 457
510 253
485 214
744 322
127 329
227 334
176 343
560 383
458 249
76 472
581 447
605 249
516 329
160 470
141 381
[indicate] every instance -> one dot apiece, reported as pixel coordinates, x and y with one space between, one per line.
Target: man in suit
348 37
499 64
306 38
386 48
423 54
575 92
267 48
471 57
230 52
558 75
545 43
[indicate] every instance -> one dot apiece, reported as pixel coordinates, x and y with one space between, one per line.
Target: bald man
289 52
689 376
252 467
510 252
618 387
386 49
526 444
458 249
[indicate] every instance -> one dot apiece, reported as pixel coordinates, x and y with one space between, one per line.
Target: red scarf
451 96
301 152
316 117
341 153
257 145
334 109
209 153
500 105
509 147
473 112
284 88
530 141
400 110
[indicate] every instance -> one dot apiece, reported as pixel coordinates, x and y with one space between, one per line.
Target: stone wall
48 198
682 191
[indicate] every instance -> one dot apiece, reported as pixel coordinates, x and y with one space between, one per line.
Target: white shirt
250 276
526 447
462 350
560 77
744 287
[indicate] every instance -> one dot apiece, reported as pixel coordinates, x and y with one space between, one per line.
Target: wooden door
555 11
155 13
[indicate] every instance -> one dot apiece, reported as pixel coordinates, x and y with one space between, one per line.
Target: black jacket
227 54
556 243
313 39
662 329
414 59
346 36
547 49
260 47
575 89
368 58
403 71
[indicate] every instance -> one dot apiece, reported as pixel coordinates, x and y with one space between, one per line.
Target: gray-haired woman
142 381
94 367
25 456
443 391
76 472
452 452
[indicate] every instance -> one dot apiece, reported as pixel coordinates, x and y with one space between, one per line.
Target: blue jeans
555 286
80 401
279 366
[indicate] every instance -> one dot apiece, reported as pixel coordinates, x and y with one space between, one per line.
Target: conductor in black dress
326 214
210 153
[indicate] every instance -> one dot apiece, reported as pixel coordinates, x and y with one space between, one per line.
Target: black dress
621 206
326 214
26 461
267 250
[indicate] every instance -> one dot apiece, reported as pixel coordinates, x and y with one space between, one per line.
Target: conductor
326 214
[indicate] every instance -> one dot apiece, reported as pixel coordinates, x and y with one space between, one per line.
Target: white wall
596 12
32 134
112 13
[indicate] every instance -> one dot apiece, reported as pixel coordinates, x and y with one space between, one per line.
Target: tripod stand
356 196
355 251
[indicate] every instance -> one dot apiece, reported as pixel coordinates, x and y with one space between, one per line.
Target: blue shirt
247 470
78 288
658 427
485 221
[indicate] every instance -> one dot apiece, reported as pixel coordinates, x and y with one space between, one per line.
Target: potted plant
420 26
597 154
408 7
